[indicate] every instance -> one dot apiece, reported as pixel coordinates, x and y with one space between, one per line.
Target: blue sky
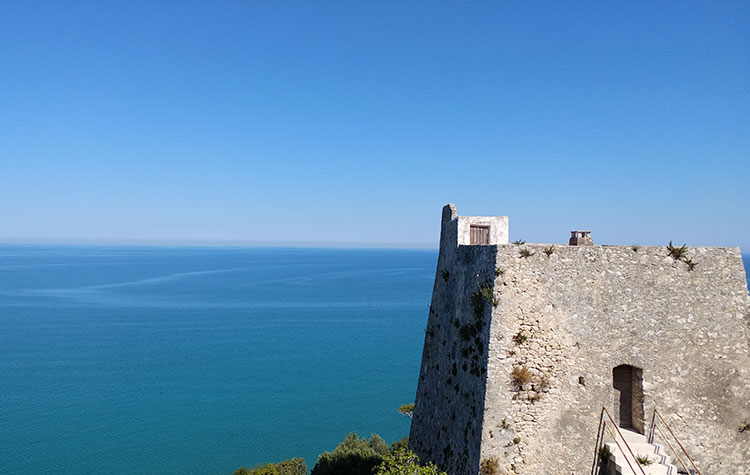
354 122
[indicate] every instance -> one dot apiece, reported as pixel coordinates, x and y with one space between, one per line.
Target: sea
137 360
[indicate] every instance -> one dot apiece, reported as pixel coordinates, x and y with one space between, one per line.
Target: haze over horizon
355 123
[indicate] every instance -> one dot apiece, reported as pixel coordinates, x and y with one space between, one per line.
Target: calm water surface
175 361
127 360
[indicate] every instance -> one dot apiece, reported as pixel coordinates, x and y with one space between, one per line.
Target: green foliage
680 254
604 455
400 444
677 253
516 440
691 265
525 253
404 462
504 423
490 466
519 242
499 272
406 410
353 456
379 445
644 460
295 466
549 250
485 290
520 338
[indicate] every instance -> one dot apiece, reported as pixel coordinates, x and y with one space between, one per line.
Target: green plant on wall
489 466
677 253
520 338
604 455
525 253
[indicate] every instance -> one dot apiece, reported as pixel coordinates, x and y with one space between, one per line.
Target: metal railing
600 437
652 430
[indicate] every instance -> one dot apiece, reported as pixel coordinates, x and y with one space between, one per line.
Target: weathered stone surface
567 318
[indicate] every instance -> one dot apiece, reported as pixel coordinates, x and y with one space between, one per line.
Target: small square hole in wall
581 381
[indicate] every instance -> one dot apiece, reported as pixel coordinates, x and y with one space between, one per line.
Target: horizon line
216 243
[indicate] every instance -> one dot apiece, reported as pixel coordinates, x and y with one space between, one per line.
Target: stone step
639 445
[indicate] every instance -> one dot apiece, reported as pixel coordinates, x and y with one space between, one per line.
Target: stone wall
447 417
586 310
559 320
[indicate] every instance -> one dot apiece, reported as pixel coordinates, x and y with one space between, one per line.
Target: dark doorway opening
627 382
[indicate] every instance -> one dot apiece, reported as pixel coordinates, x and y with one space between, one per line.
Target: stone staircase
661 463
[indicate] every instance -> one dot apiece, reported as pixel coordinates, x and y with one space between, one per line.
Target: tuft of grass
525 253
549 250
490 466
446 275
485 290
677 253
520 338
519 242
690 264
499 272
520 375
644 460
604 455
744 427
516 440
504 423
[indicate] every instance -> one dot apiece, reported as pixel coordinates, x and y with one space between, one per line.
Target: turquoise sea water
128 360
136 360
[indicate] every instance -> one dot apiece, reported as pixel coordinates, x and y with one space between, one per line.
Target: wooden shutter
479 235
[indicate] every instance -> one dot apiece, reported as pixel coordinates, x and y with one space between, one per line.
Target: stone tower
526 343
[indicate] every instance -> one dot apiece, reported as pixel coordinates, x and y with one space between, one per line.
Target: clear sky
354 122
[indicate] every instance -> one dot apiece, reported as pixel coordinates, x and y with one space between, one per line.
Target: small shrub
295 466
644 460
549 250
446 275
485 290
519 242
677 253
690 264
403 461
499 272
406 410
520 375
604 455
520 338
490 466
516 440
504 423
525 253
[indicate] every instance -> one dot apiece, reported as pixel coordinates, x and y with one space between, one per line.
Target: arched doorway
627 382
